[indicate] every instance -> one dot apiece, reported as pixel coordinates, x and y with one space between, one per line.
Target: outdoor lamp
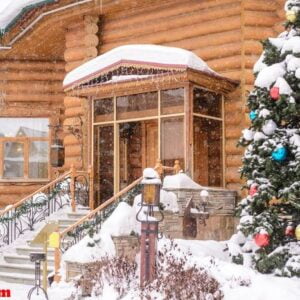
204 199
57 154
151 188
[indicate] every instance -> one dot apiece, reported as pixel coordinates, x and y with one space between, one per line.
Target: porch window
24 148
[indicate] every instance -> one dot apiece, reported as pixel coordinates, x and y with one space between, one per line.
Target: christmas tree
269 229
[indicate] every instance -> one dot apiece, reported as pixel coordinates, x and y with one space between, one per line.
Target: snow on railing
71 188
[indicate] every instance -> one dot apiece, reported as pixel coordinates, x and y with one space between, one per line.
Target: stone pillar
81 46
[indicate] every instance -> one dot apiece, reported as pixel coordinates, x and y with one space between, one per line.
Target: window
24 148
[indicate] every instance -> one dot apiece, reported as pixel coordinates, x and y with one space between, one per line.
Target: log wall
32 89
81 45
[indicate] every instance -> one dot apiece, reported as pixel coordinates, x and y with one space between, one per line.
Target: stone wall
127 246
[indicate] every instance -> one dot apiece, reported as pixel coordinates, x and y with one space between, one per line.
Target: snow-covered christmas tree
270 214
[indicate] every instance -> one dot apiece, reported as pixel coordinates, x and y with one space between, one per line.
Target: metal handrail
40 190
101 207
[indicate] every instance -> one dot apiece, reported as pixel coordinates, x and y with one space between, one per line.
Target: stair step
27 250
67 221
21 269
22 259
17 278
78 215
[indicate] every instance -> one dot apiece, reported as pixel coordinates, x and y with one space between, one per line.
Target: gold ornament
291 16
297 233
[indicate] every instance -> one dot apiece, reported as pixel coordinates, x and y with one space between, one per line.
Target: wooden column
81 46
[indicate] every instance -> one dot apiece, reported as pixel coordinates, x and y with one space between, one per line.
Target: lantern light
151 187
57 153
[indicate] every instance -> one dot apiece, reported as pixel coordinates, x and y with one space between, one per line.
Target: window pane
104 163
172 141
13 160
172 101
137 106
38 160
29 127
208 151
103 110
207 103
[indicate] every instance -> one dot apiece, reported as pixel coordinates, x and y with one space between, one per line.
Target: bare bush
176 279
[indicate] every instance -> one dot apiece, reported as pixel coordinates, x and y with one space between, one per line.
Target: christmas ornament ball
297 232
290 230
274 93
253 190
262 239
279 154
253 115
291 16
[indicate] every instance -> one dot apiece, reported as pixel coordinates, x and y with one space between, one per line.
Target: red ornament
290 230
253 190
274 93
262 239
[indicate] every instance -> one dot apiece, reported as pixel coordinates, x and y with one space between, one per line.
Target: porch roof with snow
144 63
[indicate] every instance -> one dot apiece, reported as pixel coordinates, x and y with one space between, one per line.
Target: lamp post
149 224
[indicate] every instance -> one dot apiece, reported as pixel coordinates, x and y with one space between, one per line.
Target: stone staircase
15 265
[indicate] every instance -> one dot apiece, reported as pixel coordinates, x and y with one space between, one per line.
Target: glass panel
30 127
138 149
208 152
38 160
137 106
104 163
172 101
207 103
172 141
103 110
13 160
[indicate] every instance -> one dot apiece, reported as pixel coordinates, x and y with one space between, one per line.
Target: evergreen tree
270 213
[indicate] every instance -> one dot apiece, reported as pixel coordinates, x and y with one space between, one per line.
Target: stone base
127 246
218 227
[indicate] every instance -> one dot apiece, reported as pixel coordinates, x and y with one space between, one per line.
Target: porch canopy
150 102
132 62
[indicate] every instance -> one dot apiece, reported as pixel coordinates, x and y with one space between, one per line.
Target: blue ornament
253 115
280 154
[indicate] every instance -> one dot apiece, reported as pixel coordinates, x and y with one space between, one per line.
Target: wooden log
225 63
233 175
89 40
266 5
260 18
222 51
213 39
53 98
251 32
235 187
34 75
233 118
232 74
164 24
32 86
72 65
32 66
76 161
74 111
72 101
159 12
216 26
253 48
233 132
79 53
233 160
231 147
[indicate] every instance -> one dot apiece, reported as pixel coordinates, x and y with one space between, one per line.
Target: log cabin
43 42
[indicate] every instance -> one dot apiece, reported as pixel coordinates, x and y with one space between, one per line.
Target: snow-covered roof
10 10
147 56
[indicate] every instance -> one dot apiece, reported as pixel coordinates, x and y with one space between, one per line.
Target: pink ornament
262 239
290 230
253 190
274 93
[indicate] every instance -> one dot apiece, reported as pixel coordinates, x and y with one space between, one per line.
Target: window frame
26 141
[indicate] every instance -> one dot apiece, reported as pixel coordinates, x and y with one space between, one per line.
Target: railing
71 188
